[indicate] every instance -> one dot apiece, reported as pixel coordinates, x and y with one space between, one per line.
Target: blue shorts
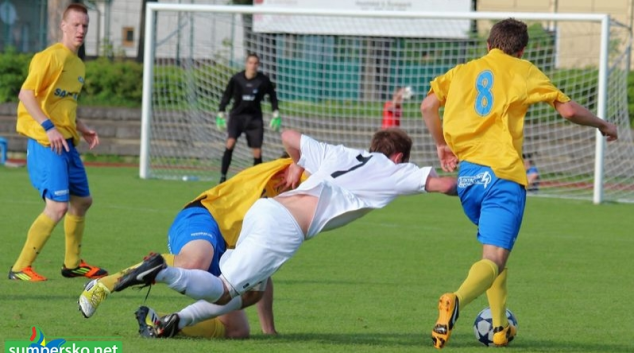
495 205
56 176
196 223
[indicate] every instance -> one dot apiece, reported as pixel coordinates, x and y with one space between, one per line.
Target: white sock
197 284
203 310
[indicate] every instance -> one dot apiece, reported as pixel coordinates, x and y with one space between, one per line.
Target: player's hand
407 93
221 122
91 137
276 121
57 141
610 131
291 178
448 160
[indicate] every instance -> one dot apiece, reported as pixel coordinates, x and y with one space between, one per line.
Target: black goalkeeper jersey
248 94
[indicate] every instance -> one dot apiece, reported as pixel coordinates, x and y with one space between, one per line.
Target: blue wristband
48 124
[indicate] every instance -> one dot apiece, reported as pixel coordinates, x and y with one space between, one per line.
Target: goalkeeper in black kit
247 88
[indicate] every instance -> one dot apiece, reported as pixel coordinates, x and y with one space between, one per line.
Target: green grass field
369 287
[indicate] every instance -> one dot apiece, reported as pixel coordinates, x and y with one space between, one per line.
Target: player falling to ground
485 103
200 235
47 115
247 88
344 184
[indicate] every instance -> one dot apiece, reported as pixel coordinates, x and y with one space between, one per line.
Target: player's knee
191 262
56 210
237 332
80 205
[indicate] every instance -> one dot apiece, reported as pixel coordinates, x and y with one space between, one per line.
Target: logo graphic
482 178
37 337
37 343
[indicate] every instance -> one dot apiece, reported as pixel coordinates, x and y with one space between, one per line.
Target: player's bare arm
291 177
576 113
445 185
429 109
56 139
265 310
292 142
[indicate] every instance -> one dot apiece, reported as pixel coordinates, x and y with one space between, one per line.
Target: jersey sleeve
226 96
313 153
440 85
272 96
540 89
41 73
410 179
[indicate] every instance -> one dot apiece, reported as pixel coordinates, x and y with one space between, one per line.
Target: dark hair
252 55
75 7
390 141
510 36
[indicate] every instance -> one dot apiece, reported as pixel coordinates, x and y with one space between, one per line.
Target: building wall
585 49
112 18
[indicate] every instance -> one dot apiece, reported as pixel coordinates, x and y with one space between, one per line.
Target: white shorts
270 236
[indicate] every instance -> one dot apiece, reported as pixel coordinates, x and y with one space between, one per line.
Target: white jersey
350 183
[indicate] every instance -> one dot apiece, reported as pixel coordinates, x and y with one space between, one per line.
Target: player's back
350 182
485 104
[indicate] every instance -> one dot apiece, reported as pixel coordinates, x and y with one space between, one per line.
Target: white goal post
333 71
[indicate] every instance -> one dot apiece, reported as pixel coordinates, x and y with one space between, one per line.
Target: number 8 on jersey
484 99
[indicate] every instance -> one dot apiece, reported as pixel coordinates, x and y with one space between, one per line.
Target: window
127 37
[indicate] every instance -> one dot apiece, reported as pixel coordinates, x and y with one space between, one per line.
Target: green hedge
14 68
117 83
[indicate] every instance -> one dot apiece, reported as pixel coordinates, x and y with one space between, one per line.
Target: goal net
334 71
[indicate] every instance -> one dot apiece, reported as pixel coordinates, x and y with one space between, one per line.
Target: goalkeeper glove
276 121
221 122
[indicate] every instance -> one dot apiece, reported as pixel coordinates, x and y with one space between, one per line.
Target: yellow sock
169 259
111 281
39 233
211 328
497 299
480 278
74 230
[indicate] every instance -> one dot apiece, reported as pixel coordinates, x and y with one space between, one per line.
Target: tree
140 52
55 11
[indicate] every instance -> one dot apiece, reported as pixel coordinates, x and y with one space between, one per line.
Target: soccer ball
407 93
483 326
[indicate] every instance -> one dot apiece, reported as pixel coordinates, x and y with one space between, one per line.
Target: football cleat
144 274
94 293
502 336
148 321
447 315
84 270
151 326
27 274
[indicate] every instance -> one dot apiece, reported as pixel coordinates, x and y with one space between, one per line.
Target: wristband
47 124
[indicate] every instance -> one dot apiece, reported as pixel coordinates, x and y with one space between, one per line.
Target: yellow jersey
56 77
485 104
229 202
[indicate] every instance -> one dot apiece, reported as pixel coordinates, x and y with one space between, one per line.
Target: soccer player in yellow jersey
47 116
201 233
485 103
